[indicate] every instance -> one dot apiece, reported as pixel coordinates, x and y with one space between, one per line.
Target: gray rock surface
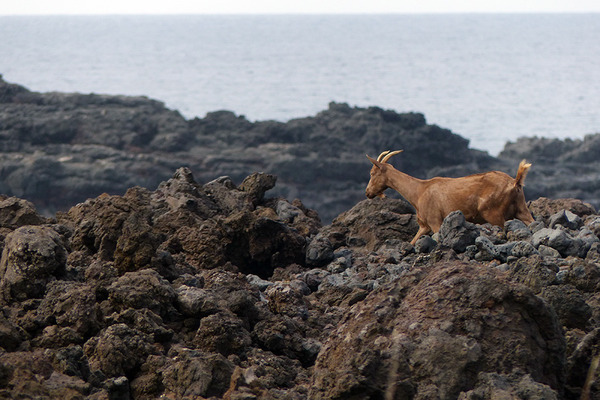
59 149
220 290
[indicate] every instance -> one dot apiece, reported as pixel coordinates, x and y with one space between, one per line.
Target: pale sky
29 7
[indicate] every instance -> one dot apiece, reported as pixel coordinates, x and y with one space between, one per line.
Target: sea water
490 78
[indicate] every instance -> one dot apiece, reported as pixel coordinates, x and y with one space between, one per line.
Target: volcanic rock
182 288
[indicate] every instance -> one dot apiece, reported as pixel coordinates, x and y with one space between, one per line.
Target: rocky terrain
58 149
146 256
224 291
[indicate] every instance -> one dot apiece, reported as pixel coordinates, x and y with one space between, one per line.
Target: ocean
490 78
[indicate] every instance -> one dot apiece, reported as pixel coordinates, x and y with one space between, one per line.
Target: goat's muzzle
373 195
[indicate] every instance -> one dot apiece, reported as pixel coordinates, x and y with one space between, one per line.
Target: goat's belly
476 219
471 216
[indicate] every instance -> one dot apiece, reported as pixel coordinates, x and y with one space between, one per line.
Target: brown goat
492 197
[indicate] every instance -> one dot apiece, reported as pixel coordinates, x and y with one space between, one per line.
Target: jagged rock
588 239
288 299
487 251
136 247
15 212
593 254
371 223
561 241
71 361
142 289
569 304
193 301
31 373
117 388
319 252
543 208
565 218
580 365
425 244
257 281
582 274
10 337
227 196
256 185
205 291
70 304
32 257
118 350
254 243
534 272
523 249
99 223
286 211
497 386
593 223
145 321
284 336
222 333
516 230
193 373
548 251
267 370
456 233
185 199
149 383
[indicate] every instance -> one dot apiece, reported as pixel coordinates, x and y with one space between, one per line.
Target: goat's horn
393 153
382 154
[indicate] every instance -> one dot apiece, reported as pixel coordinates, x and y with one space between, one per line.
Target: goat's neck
409 187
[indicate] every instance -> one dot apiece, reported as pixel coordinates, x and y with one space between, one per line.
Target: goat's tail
522 173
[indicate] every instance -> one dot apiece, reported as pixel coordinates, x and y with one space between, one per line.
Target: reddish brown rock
403 338
543 207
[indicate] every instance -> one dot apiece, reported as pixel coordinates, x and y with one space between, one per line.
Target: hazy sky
12 7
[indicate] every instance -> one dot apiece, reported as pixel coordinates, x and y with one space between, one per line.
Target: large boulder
431 332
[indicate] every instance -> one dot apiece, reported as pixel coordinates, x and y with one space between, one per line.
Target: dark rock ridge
222 291
59 149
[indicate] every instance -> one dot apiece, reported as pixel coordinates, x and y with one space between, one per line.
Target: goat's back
476 183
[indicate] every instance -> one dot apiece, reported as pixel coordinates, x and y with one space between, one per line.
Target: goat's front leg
494 217
423 229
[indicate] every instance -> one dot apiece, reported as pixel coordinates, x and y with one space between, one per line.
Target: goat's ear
374 161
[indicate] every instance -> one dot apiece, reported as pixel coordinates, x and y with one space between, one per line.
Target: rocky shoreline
210 282
59 149
219 291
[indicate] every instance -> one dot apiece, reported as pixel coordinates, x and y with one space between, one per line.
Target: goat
492 197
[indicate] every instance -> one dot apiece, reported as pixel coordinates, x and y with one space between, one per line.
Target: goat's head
379 180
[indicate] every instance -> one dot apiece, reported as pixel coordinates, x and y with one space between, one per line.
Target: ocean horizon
490 78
